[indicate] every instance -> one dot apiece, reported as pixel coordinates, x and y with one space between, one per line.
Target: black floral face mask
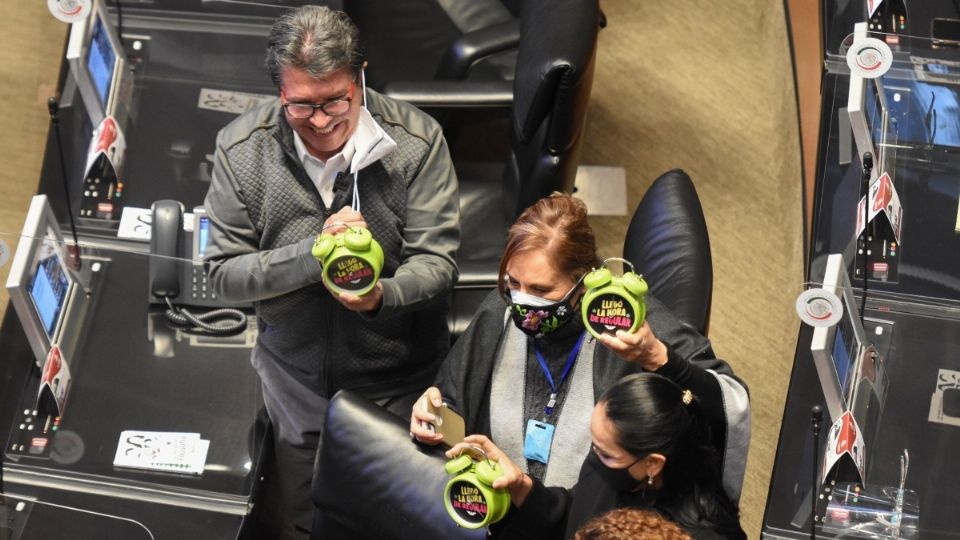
537 316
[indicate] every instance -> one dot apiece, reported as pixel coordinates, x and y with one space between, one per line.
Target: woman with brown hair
526 373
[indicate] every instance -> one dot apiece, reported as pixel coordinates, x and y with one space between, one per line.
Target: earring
649 479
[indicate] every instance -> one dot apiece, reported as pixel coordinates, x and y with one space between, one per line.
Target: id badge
536 443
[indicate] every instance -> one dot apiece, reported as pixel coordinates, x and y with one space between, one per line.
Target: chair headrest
558 40
667 241
369 476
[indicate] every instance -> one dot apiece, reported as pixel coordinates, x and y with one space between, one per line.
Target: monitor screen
203 228
844 353
97 64
101 61
930 112
201 233
41 286
868 121
837 349
878 118
49 286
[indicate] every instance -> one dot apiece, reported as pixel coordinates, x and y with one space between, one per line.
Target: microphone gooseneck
865 181
816 417
73 251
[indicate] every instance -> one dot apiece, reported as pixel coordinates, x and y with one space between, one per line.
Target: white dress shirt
369 137
324 174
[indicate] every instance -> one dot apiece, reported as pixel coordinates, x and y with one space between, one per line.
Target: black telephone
172 276
177 282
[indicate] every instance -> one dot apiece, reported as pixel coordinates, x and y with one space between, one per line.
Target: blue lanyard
548 410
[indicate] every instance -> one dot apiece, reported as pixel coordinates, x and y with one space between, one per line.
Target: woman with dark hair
530 382
651 449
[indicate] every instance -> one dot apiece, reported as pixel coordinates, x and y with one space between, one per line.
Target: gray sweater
265 214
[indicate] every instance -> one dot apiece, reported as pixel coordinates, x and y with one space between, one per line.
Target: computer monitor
98 64
838 350
929 104
40 285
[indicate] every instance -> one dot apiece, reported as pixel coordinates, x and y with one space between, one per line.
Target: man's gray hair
316 39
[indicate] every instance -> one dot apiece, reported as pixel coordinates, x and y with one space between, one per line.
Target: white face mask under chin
529 300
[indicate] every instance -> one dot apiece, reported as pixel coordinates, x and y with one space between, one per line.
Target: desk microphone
867 165
73 250
816 417
865 181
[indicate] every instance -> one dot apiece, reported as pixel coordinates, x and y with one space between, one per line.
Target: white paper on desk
229 101
135 224
162 451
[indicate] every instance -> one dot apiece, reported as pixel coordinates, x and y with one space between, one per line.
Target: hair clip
687 397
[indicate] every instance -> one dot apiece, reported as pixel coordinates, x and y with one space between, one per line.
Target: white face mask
529 299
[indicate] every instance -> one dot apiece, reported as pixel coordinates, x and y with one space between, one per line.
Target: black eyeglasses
334 107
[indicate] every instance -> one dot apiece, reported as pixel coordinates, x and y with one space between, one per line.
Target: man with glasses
287 171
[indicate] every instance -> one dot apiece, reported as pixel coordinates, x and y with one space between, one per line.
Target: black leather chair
427 40
548 100
667 242
371 481
548 104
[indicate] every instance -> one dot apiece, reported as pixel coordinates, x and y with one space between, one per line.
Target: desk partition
912 115
134 370
53 514
25 518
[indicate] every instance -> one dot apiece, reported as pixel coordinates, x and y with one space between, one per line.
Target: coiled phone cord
222 321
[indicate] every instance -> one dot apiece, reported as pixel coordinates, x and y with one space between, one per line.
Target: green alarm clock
351 260
613 303
469 496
